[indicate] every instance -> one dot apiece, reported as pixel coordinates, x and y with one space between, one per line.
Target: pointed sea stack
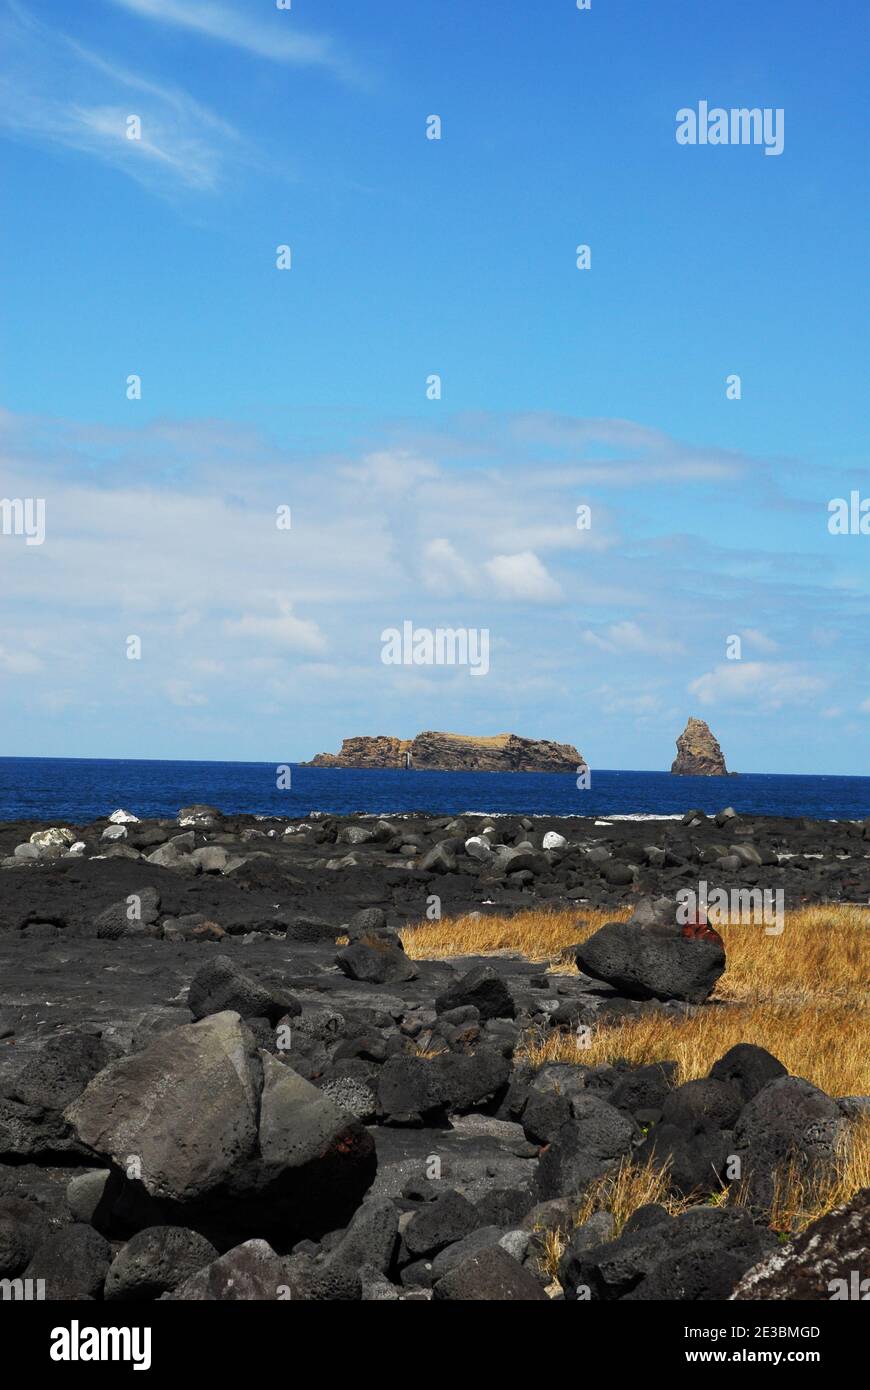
698 753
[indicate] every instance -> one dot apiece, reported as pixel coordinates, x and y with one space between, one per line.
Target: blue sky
307 387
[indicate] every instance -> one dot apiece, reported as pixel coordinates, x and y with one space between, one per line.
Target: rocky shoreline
223 1076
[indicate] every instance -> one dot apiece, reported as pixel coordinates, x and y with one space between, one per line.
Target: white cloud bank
765 685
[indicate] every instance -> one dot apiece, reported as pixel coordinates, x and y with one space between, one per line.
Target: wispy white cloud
272 33
629 637
619 453
55 91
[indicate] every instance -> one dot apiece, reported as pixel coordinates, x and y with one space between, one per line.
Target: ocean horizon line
404 772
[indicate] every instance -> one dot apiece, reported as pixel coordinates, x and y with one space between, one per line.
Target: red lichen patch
702 931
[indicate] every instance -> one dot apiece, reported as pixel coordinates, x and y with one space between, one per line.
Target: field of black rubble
223 1075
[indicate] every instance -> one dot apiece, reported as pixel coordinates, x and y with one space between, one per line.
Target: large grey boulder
206 1132
467 1079
180 1115
298 1122
210 859
648 965
409 1089
478 847
315 1162
696 1156
175 853
706 1098
512 861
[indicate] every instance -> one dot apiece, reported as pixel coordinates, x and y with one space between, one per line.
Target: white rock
123 818
55 838
553 840
478 848
78 848
114 832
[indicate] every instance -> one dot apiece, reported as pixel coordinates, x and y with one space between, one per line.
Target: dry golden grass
628 1187
540 935
826 1046
802 995
798 1199
821 958
801 1198
619 1193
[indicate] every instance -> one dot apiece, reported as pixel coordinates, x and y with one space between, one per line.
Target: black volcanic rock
222 984
749 1067
700 1254
156 1260
492 1274
647 965
377 963
483 988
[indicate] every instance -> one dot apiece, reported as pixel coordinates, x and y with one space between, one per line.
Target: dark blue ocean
84 789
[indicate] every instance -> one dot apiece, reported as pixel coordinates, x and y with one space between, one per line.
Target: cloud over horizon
167 530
